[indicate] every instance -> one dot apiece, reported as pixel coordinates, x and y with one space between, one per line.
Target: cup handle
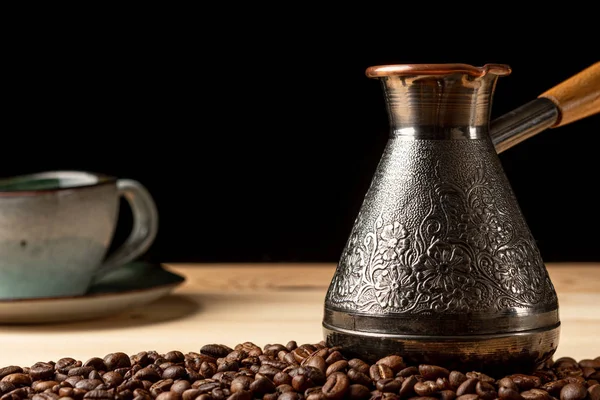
144 230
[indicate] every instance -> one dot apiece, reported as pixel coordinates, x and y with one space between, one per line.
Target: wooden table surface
260 303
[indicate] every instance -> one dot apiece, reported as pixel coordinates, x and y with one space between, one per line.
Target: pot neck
439 101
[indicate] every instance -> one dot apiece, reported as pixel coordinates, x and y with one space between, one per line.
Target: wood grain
577 97
273 303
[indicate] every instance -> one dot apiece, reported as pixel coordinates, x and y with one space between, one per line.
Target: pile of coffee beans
285 372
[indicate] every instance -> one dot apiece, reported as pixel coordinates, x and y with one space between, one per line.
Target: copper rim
379 71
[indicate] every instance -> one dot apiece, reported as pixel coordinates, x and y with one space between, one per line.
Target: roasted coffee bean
40 386
467 397
164 385
447 395
588 363
215 350
575 379
240 383
594 391
12 369
573 391
485 390
536 394
208 369
545 376
142 359
289 396
64 364
174 356
554 387
80 371
526 382
290 358
315 361
338 366
359 365
336 386
141 393
206 385
268 371
123 371
174 372
45 396
505 393
262 386
94 375
380 371
333 357
284 388
408 386
190 394
180 386
112 379
274 348
41 371
291 345
280 365
282 378
467 387
281 355
168 396
565 362
408 371
313 390
358 392
133 371
18 379
6 387
147 374
432 372
300 354
117 360
442 384
509 384
96 363
425 389
388 385
227 365
395 362
318 395
98 395
88 384
315 375
65 392
480 376
302 382
19 392
393 396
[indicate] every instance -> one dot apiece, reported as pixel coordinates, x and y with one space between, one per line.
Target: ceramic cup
56 228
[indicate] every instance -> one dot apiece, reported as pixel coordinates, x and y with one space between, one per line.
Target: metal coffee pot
440 266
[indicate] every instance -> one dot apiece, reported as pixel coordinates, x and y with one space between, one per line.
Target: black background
258 139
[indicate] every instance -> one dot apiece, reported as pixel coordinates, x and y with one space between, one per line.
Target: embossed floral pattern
393 241
463 256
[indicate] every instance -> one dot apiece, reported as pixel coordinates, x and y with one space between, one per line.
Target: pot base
491 354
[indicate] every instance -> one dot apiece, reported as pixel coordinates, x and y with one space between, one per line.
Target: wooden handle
578 97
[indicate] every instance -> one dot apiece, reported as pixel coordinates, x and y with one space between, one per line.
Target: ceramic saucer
132 285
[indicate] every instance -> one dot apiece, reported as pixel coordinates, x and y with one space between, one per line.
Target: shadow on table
166 309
